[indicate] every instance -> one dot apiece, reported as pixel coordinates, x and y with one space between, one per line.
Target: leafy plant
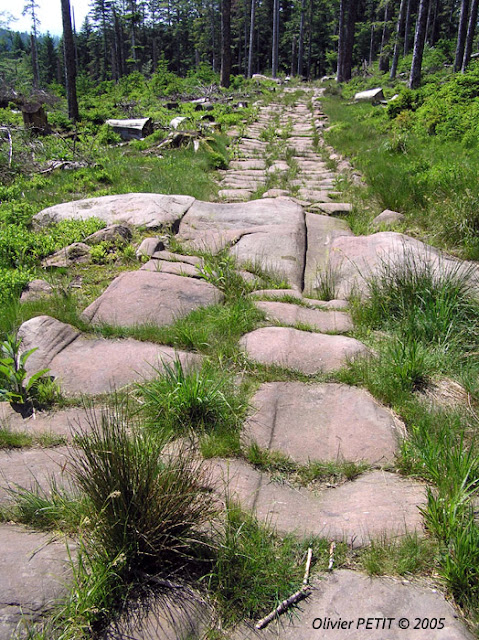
14 385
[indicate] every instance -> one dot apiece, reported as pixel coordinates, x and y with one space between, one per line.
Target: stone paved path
277 210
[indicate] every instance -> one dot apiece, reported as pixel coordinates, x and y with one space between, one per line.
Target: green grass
407 556
316 471
255 569
431 179
202 403
145 507
10 439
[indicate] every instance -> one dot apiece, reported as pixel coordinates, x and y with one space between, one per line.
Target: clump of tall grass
428 302
148 508
196 401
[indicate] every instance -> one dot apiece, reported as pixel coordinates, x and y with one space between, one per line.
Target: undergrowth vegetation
419 155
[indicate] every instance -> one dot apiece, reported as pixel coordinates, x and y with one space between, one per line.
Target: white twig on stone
331 556
303 593
308 567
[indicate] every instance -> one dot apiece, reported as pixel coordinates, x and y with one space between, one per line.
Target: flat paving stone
332 422
280 294
177 257
375 505
144 297
92 366
235 195
28 468
315 195
354 260
167 266
309 353
34 574
62 422
247 164
322 231
151 210
292 314
265 232
333 208
349 604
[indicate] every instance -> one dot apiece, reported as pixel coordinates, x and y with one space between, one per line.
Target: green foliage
194 401
15 384
12 282
53 509
408 555
255 569
147 510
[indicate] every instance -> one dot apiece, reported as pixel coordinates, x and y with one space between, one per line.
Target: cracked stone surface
34 572
376 504
355 601
309 353
28 468
332 422
84 365
146 297
62 422
151 210
321 320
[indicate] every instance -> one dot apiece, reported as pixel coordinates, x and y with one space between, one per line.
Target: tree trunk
70 66
407 26
226 43
341 40
293 55
384 59
36 71
371 45
310 38
275 48
301 39
470 35
349 41
461 34
397 44
251 38
419 39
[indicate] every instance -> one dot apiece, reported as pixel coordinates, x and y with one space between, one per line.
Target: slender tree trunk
275 48
293 56
383 59
407 27
310 38
461 35
371 46
251 38
213 38
301 38
349 41
470 35
419 39
70 66
226 43
341 40
397 44
428 23
36 71
434 24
